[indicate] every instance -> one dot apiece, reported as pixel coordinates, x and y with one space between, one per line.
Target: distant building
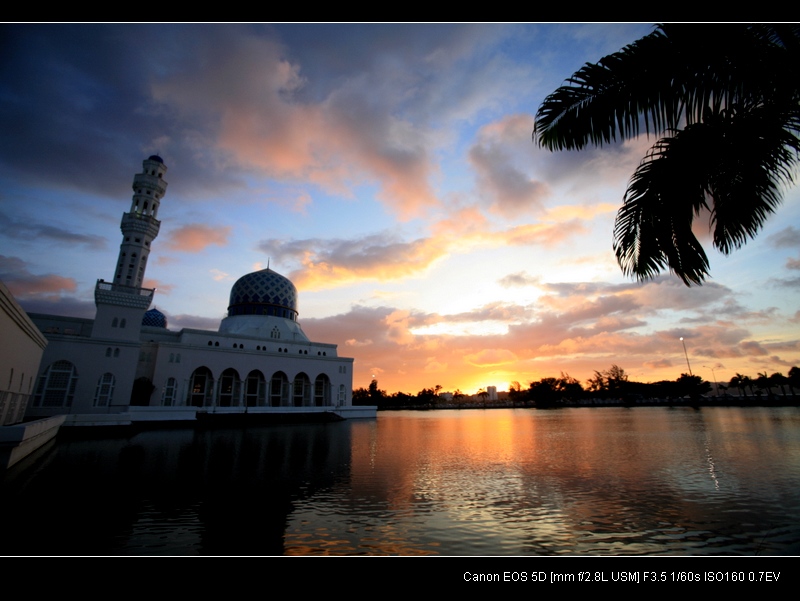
492 391
125 365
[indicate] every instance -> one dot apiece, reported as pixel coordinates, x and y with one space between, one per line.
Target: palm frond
724 101
609 100
677 74
758 157
653 230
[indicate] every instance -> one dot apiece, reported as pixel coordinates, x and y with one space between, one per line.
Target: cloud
161 287
788 237
573 327
751 347
503 175
545 234
496 311
245 86
61 305
382 257
433 366
518 279
194 238
23 284
657 364
399 327
491 357
220 276
19 229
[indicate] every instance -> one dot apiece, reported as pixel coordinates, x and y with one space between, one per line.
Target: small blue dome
155 157
154 318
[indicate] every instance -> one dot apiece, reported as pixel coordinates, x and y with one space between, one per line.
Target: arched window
322 387
301 391
342 392
104 391
228 389
279 390
56 385
255 389
201 386
170 393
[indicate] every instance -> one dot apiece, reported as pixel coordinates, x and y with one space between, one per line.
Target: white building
125 365
21 351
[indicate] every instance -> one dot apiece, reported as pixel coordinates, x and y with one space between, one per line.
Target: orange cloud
246 87
194 238
545 234
40 285
22 283
398 327
491 357
161 287
340 262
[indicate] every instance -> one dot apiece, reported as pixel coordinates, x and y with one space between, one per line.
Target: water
585 481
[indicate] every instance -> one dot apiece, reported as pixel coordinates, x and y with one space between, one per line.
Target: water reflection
582 481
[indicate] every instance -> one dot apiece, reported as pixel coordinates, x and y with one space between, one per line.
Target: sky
388 171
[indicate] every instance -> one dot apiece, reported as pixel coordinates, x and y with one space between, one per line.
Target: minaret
122 302
140 226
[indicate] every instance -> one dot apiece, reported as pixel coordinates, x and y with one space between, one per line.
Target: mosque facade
125 365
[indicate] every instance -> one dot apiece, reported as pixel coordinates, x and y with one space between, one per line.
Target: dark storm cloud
71 102
76 106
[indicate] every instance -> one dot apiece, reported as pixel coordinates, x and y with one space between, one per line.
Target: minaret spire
140 226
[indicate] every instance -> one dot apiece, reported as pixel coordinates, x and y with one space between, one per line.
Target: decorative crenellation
122 296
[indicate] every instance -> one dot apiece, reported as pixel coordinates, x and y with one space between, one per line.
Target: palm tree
794 378
723 102
778 379
742 383
762 383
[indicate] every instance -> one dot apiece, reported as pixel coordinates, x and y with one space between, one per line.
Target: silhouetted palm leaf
724 102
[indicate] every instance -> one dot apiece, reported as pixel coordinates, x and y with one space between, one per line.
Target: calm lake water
584 481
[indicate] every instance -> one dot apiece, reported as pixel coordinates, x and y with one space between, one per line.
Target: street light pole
716 386
687 356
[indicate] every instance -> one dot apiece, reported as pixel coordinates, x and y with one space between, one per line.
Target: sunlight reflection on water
593 481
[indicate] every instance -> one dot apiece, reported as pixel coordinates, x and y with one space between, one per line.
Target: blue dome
154 318
155 157
263 293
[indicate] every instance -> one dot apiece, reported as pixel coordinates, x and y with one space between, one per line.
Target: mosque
125 366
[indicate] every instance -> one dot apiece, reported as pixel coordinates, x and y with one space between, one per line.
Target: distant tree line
612 383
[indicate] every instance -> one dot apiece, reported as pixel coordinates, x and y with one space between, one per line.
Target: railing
140 217
124 288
